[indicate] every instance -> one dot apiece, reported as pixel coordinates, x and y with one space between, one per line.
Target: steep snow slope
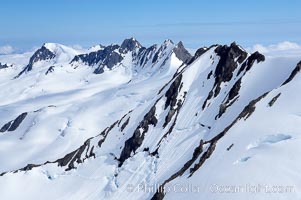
258 156
150 123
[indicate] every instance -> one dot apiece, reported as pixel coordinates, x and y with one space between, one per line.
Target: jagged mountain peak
42 54
114 54
200 51
106 56
168 42
129 45
180 44
233 50
54 52
182 53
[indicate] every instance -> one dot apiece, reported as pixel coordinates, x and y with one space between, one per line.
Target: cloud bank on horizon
6 49
285 48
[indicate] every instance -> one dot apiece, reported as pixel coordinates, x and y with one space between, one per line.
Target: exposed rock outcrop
4 66
14 124
182 53
246 66
134 142
41 54
293 74
271 103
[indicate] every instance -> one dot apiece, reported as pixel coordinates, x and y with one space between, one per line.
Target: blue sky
29 23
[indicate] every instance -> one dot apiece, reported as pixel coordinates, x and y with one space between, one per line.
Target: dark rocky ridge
4 66
233 93
110 56
200 52
41 54
105 133
155 53
14 124
173 104
227 64
182 53
129 45
77 156
94 58
293 74
209 75
134 142
203 158
271 103
49 70
125 124
161 51
250 61
230 57
145 55
110 61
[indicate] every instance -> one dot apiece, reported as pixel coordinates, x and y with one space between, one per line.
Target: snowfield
129 122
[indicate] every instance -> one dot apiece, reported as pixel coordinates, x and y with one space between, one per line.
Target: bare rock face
182 53
230 58
272 102
129 45
227 63
133 143
4 66
107 56
293 74
49 70
98 57
14 124
41 54
246 66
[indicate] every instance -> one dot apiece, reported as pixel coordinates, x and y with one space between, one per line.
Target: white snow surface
258 157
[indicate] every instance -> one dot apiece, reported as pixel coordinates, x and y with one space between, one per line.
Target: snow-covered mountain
130 122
